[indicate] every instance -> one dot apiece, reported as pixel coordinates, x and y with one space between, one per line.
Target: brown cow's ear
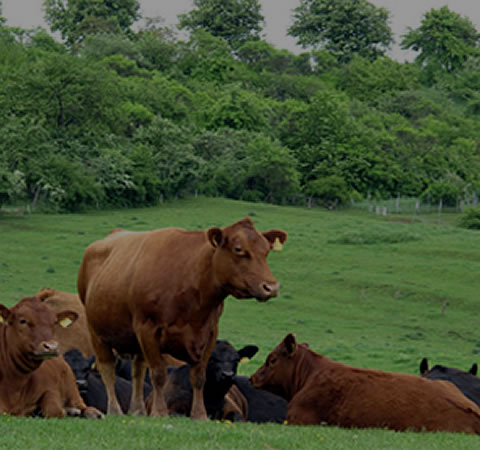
44 293
276 238
66 318
215 236
5 314
424 366
474 369
290 343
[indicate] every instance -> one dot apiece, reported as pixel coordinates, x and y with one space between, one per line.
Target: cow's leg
137 404
105 361
158 371
51 405
197 380
74 401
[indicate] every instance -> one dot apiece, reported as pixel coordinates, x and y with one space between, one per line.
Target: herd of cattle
141 338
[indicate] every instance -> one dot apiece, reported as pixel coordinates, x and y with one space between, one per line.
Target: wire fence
413 206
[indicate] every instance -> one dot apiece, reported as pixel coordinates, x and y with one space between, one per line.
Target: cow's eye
271 361
22 322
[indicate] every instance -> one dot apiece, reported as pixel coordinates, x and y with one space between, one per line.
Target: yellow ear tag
277 245
66 322
244 359
93 366
1 319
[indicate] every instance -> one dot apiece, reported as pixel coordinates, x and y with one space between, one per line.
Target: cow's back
352 397
137 274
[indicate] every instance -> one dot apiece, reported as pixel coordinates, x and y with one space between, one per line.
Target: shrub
470 219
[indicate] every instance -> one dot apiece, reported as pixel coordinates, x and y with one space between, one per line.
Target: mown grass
362 289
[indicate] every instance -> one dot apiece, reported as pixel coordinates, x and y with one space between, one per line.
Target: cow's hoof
138 412
93 413
73 412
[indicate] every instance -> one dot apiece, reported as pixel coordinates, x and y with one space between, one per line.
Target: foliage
151 117
75 19
238 109
343 27
331 191
234 21
444 39
470 219
272 171
368 81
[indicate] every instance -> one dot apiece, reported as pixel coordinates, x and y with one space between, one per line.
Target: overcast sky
278 16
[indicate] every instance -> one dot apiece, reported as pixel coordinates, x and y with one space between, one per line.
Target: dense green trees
444 39
75 19
343 27
235 21
132 118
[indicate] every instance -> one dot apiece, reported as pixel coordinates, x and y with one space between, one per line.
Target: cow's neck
15 364
211 290
306 363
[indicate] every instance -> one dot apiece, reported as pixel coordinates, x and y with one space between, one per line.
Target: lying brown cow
31 376
161 292
75 336
320 390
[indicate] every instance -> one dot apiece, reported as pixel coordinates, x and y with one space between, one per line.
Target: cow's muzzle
267 291
47 350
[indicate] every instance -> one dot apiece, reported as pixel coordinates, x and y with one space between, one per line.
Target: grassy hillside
365 290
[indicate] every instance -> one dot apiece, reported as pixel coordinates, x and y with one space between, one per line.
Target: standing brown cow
320 390
149 294
31 376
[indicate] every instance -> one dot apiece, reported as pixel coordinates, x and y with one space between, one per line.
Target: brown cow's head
277 373
30 326
240 259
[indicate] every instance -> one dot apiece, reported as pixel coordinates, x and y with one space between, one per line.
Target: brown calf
320 390
150 294
31 375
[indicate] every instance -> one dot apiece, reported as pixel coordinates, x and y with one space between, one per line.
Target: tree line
121 114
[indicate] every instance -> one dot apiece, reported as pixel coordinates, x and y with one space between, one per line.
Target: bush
447 191
330 191
470 219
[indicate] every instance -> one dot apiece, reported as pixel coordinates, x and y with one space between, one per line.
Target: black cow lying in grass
263 406
221 369
467 382
91 386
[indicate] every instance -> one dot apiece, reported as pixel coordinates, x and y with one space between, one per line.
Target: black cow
221 369
123 369
467 382
91 386
263 406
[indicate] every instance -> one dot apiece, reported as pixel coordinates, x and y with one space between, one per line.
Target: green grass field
371 291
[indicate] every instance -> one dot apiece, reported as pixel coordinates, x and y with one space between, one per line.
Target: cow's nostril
50 346
270 289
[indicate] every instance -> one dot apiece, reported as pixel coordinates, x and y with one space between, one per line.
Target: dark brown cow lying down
31 376
76 335
150 294
320 390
